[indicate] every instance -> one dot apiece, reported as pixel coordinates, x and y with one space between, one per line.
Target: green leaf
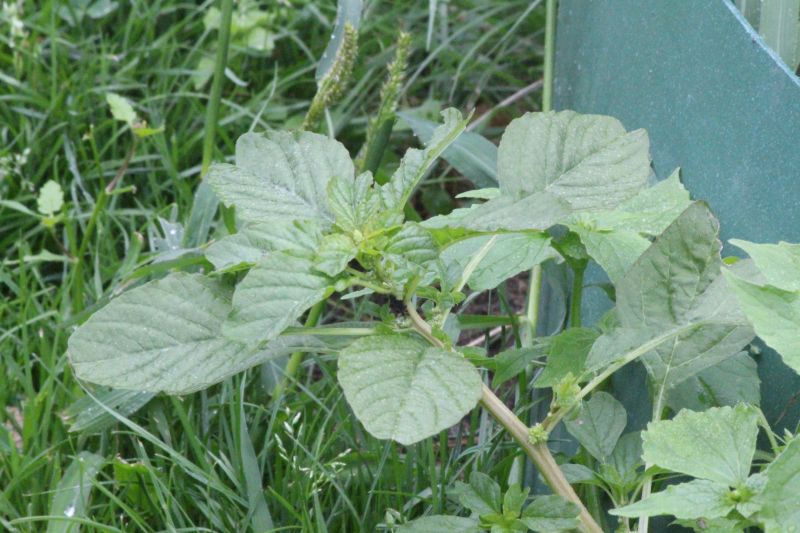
514 499
71 497
416 163
402 390
275 293
282 176
568 351
614 251
774 314
354 202
471 154
588 160
779 263
780 498
510 363
627 458
410 253
696 499
121 108
599 424
730 382
550 513
254 241
50 199
481 495
556 163
717 525
335 252
717 444
675 301
165 336
509 255
439 523
648 213
537 211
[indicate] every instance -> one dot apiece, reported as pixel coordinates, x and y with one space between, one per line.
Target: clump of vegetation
345 349
312 228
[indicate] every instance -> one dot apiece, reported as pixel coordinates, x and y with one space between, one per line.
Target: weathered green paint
715 101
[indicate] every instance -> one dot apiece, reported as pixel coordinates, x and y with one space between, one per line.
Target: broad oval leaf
588 160
282 176
675 307
780 498
508 255
355 202
732 381
717 444
550 513
599 425
554 164
403 390
254 241
700 498
482 495
770 298
163 336
779 263
275 293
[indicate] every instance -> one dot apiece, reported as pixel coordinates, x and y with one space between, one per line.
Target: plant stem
329 331
297 357
647 486
214 97
576 296
532 306
538 453
205 203
762 421
99 206
549 54
555 416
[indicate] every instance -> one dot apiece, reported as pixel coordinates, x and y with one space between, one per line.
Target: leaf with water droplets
165 336
282 176
403 390
275 293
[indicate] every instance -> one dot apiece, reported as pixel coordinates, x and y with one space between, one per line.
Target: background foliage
188 463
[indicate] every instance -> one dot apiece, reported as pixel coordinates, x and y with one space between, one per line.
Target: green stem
762 421
532 306
549 54
330 331
647 486
376 148
538 453
99 206
212 111
296 358
555 416
576 296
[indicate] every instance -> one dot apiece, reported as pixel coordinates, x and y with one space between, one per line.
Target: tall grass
230 458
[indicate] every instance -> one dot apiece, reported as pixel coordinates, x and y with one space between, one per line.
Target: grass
230 458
